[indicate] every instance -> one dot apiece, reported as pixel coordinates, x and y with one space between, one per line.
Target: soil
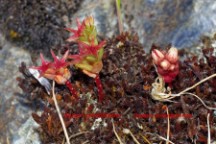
36 25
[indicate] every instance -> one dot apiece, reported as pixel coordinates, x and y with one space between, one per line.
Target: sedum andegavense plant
57 71
89 58
167 64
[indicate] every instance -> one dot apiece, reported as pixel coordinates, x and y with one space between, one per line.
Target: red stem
100 88
72 90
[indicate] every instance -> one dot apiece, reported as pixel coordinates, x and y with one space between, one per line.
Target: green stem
118 7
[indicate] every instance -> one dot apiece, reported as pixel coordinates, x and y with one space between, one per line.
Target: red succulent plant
56 70
76 33
89 58
166 63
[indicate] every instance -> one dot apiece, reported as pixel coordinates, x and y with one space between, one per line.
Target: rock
27 133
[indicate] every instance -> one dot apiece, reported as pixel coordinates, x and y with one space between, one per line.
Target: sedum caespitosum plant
89 58
167 67
57 71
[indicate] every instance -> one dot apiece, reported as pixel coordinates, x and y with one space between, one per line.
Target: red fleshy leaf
76 33
44 65
59 63
85 50
91 49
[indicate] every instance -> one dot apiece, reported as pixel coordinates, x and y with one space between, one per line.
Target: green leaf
100 53
84 66
118 4
88 33
91 58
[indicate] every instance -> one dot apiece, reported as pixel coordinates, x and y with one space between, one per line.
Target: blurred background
28 27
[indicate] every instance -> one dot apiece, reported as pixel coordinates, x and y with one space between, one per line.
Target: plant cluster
128 79
89 58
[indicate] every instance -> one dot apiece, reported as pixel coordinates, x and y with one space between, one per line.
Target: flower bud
157 56
172 55
165 65
172 67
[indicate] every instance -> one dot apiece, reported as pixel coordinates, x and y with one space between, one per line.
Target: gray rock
181 23
27 133
165 21
12 114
